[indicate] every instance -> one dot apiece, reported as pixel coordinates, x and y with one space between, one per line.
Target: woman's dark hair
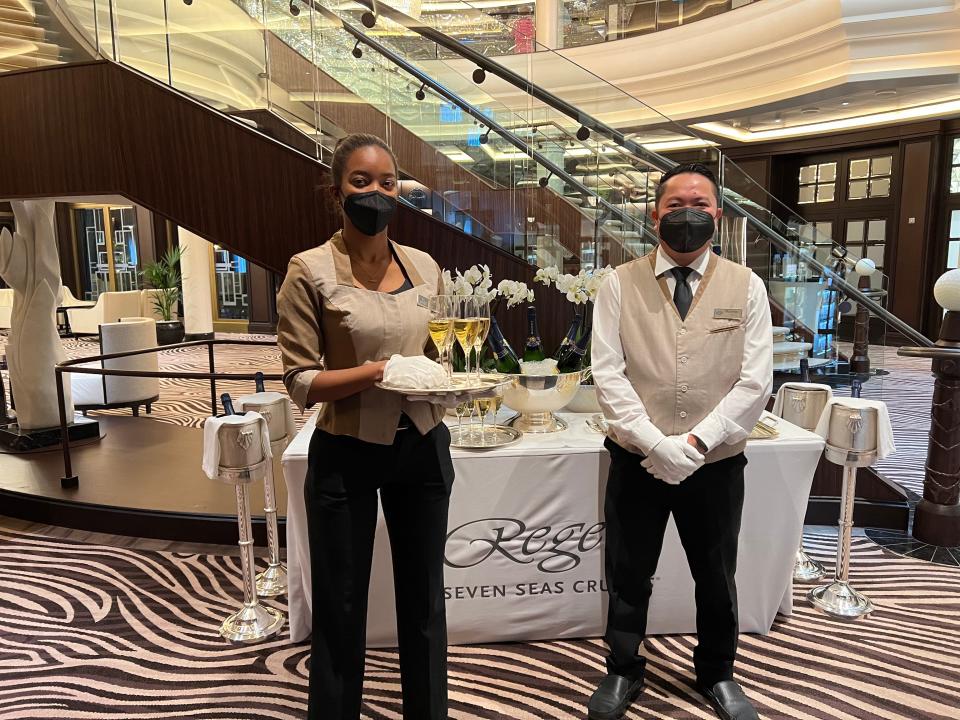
346 146
696 169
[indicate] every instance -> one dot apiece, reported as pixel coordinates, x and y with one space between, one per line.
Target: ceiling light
950 107
810 111
885 93
844 103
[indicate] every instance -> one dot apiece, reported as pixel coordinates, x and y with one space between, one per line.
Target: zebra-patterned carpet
116 633
99 631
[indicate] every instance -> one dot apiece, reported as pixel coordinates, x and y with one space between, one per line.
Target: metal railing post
69 480
213 380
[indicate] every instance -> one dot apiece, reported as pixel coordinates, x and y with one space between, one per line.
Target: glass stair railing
526 82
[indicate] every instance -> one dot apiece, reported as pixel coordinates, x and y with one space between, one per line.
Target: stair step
16 14
9 28
26 63
14 47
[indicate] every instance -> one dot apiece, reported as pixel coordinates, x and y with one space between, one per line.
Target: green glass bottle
566 347
505 359
573 361
533 350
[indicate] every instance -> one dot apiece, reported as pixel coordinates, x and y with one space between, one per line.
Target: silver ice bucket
852 435
273 407
803 406
537 397
242 454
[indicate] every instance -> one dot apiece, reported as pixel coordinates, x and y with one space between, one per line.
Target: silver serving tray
495 436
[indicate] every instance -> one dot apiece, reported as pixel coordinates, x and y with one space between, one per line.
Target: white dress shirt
733 418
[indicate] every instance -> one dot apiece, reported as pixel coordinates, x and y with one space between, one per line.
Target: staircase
28 37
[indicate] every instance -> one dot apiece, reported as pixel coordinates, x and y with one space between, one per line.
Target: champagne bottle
573 362
258 379
503 355
804 370
533 351
227 403
566 347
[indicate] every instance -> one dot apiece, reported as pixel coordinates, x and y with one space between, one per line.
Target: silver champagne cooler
243 460
852 439
803 407
274 408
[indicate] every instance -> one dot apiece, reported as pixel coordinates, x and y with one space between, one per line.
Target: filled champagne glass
442 312
483 407
483 318
466 325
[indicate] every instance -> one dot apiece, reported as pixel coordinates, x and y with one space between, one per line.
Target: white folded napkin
781 394
885 444
265 398
415 373
211 445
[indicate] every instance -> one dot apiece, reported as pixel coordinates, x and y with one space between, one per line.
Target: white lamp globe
947 290
865 266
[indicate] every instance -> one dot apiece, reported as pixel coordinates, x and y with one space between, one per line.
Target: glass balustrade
555 183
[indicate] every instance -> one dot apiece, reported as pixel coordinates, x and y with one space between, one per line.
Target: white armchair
110 307
6 307
91 392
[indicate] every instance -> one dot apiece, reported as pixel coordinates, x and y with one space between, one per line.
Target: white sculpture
30 265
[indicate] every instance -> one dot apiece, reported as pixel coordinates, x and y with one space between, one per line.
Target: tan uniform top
682 369
327 323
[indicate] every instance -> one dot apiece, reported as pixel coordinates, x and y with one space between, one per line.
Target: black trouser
706 508
414 477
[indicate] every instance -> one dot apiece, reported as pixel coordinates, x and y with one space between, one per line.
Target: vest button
683 331
683 360
683 413
684 388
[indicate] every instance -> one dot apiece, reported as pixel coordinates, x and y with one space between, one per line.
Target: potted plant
163 277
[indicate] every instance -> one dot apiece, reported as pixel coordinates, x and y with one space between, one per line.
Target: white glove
673 460
418 372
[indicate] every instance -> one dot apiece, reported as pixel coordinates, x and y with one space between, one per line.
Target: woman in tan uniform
345 308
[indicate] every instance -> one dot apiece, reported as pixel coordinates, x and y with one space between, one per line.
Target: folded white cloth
265 398
885 444
211 445
416 373
781 394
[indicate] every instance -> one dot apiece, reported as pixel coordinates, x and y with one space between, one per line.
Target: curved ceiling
777 68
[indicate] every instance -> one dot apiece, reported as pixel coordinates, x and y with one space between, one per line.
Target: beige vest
681 369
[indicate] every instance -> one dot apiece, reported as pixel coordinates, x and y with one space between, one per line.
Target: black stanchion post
69 480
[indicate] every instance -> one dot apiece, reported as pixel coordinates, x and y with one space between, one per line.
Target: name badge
728 313
422 302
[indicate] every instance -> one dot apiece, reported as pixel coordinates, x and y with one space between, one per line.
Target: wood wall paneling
907 257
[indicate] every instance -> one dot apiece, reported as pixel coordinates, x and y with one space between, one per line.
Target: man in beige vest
682 359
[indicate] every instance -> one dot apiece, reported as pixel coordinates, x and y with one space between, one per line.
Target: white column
196 272
548 24
29 263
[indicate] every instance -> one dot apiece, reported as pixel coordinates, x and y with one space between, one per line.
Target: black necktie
682 295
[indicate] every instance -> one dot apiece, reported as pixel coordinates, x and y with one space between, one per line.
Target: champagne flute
483 328
483 407
465 327
440 326
461 410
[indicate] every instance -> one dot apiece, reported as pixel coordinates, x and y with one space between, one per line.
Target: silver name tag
728 313
422 302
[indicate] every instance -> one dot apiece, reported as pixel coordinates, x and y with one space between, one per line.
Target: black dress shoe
612 698
729 702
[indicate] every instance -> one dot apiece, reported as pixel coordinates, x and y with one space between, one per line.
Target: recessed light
810 111
844 103
885 93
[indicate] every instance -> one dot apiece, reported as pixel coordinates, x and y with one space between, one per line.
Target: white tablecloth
525 545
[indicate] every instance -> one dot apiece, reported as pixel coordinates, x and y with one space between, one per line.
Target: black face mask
370 212
687 229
